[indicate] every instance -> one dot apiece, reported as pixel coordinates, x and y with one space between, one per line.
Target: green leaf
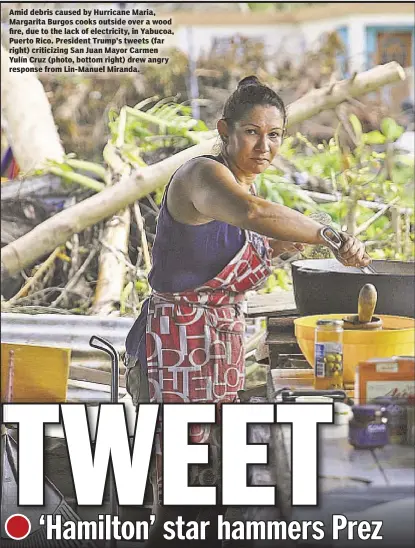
390 129
374 138
357 127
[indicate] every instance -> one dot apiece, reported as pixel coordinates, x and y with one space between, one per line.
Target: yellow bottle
328 355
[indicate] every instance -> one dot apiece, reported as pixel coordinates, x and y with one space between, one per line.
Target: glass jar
368 428
328 355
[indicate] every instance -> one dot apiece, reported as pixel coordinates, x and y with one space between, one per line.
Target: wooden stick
144 242
407 233
364 226
322 198
72 282
396 227
351 217
37 275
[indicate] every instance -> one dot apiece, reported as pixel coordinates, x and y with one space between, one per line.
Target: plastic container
342 413
328 355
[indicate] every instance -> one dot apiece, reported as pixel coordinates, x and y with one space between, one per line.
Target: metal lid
334 323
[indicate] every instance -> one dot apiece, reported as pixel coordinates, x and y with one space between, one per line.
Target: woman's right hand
352 252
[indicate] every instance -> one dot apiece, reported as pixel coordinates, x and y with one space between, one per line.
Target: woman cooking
215 240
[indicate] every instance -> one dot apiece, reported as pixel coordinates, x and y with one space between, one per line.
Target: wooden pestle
368 297
364 319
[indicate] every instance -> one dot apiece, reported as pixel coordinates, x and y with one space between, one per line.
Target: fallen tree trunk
58 229
30 125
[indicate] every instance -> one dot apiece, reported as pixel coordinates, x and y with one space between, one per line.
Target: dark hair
250 93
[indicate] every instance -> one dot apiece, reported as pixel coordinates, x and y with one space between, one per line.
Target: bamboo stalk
36 276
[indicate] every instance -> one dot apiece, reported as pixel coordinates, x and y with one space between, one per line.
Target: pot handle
331 237
335 241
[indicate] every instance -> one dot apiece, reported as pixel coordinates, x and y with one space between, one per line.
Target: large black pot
325 286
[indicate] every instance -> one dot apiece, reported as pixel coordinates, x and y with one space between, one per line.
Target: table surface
393 464
340 464
270 303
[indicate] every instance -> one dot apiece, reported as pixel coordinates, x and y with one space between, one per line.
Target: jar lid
367 410
334 323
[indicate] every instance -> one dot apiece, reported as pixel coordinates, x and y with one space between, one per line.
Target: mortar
396 338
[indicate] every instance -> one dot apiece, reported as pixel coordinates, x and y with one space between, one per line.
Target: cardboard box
380 377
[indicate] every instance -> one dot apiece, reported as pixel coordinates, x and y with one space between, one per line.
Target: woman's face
255 139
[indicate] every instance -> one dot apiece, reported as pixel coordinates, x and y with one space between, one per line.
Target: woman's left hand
352 252
279 247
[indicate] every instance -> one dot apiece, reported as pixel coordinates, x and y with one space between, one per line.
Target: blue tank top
184 257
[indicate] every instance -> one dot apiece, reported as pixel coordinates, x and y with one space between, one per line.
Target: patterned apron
195 342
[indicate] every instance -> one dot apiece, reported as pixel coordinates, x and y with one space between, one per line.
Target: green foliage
371 172
280 278
261 6
141 287
275 187
390 129
124 297
143 129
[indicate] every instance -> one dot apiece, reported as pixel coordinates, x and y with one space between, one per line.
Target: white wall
292 40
